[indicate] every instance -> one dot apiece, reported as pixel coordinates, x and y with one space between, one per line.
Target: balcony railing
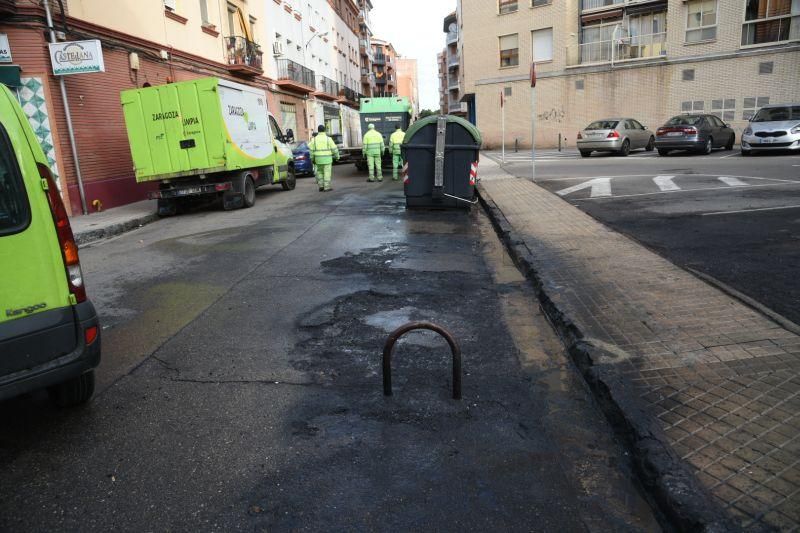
327 86
452 37
453 60
290 71
380 81
349 94
596 4
452 82
457 107
622 49
243 55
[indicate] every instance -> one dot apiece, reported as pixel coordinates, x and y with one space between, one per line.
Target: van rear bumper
52 372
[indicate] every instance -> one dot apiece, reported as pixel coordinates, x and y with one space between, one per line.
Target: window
252 21
276 131
507 91
232 10
507 6
579 85
289 116
542 44
701 22
688 74
509 50
696 106
537 3
636 125
765 67
769 21
751 105
773 114
204 11
14 210
724 109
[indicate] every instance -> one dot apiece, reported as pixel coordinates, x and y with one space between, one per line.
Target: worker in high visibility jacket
373 150
395 143
323 152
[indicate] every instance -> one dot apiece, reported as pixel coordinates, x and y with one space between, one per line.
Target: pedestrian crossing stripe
600 187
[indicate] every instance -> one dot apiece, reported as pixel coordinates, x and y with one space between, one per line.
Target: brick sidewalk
720 379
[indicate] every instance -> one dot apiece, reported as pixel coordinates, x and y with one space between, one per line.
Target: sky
414 27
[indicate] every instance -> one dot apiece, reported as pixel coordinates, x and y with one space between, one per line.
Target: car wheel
729 146
663 152
626 148
74 391
586 153
708 147
291 180
249 192
651 144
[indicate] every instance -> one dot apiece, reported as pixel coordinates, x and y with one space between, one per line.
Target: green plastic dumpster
441 154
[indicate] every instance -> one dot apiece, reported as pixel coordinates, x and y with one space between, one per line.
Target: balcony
327 88
346 94
457 107
244 57
380 81
588 5
453 60
379 59
452 37
452 83
363 18
295 76
367 76
629 48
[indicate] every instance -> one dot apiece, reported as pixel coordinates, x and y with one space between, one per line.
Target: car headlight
747 131
796 129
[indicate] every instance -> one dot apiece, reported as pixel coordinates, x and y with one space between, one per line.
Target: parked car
619 135
774 127
698 133
302 159
49 330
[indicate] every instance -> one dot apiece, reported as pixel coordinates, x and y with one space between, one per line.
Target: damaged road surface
241 387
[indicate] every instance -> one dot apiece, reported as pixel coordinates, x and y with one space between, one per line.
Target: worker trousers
324 175
374 166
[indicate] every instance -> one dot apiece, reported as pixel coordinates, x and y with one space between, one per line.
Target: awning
9 75
612 14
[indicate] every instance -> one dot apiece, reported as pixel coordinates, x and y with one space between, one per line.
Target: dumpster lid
418 125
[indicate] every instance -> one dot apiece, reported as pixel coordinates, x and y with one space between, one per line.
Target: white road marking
689 190
750 210
729 155
601 188
665 183
732 182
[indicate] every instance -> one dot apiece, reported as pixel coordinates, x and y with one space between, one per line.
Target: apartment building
365 48
408 82
315 63
384 68
151 42
453 82
650 59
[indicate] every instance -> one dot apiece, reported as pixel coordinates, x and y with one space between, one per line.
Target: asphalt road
240 387
732 218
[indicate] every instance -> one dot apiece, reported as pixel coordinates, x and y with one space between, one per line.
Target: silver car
774 127
619 135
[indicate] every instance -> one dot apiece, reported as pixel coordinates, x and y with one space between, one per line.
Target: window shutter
509 42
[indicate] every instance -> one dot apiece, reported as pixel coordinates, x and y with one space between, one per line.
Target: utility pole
533 121
68 116
503 127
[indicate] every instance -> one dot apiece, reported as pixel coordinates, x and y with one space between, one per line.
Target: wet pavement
241 384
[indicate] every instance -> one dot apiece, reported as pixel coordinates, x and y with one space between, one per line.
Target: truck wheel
74 391
291 180
249 192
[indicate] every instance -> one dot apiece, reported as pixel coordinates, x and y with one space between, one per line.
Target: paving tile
722 379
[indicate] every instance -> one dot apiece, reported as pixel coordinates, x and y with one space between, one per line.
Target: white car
775 127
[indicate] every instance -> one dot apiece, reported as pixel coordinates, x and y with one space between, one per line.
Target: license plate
674 134
187 192
767 140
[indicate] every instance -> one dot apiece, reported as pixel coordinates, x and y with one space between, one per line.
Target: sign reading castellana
77 57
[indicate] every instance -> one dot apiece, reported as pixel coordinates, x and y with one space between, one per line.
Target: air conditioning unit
277 48
171 4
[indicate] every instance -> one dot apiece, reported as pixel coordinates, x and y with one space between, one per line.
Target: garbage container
441 154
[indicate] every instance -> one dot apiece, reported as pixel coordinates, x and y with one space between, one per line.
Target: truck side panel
244 111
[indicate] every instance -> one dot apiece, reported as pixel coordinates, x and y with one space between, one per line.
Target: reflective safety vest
373 143
323 150
395 141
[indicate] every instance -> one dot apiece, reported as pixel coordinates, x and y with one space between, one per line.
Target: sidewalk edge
84 238
666 477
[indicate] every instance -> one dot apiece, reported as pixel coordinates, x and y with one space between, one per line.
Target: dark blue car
302 159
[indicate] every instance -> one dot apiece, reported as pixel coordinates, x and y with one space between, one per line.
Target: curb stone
93 235
668 479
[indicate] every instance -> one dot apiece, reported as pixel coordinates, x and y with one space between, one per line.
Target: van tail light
580 136
90 335
66 241
613 135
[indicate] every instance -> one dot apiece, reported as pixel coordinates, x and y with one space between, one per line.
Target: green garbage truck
206 137
385 113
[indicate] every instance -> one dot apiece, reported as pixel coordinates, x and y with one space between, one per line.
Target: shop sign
77 57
